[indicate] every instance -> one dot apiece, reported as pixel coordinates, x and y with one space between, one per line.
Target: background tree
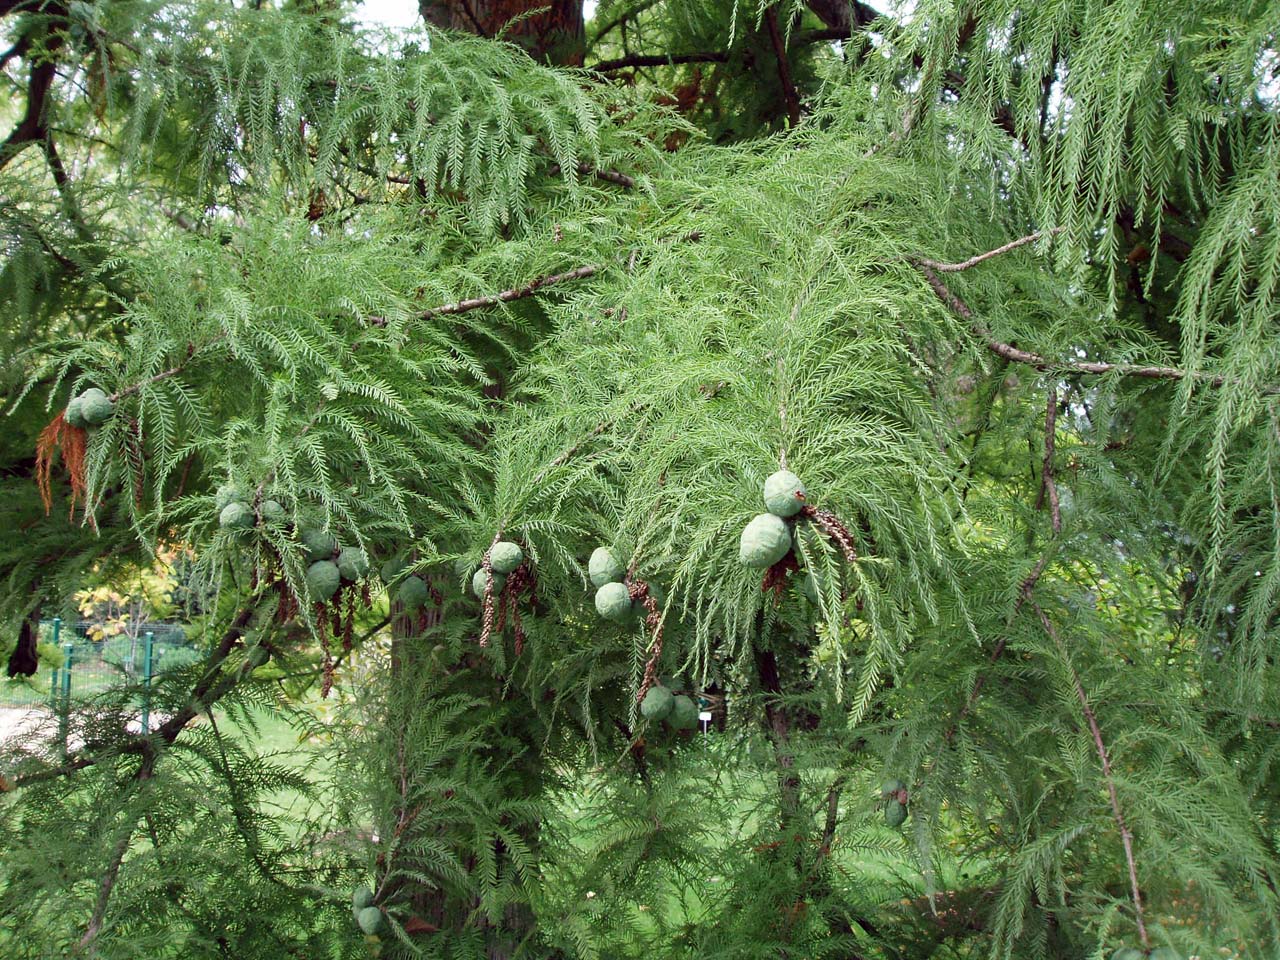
996 280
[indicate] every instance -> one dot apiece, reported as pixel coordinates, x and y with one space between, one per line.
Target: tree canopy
335 315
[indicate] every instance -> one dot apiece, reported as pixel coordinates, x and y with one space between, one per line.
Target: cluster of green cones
660 705
767 538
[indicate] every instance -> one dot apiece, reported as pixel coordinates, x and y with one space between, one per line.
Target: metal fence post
146 684
68 650
53 680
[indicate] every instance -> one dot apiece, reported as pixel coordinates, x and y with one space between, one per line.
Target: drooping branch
446 309
569 452
1025 590
1126 835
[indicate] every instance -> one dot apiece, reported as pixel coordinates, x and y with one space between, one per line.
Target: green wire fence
85 666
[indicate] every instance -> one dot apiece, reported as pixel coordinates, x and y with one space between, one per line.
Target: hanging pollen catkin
639 590
834 528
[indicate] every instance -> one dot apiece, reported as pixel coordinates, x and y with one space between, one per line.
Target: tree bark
555 35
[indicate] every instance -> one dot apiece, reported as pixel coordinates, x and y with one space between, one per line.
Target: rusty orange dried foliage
72 443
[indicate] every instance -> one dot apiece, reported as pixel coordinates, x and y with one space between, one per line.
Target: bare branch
979 258
660 60
515 293
1067 367
611 176
105 886
625 15
1047 486
789 93
33 126
212 685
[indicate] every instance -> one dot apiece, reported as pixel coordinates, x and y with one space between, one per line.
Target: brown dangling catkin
775 578
486 625
518 624
639 591
834 528
500 610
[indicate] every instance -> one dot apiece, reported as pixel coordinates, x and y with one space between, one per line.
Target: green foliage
385 295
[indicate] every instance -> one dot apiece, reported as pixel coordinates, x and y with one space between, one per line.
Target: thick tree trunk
554 35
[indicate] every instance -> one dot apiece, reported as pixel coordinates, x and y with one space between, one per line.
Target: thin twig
1090 367
173 371
569 452
1024 594
515 293
105 886
832 822
979 258
1047 485
1126 836
660 60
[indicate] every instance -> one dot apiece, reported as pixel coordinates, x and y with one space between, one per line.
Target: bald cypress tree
899 389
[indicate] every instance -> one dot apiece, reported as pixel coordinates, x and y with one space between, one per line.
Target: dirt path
19 721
